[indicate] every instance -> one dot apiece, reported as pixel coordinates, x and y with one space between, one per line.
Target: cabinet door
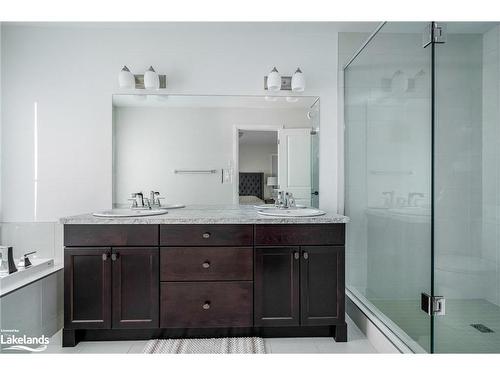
322 285
87 288
276 286
135 287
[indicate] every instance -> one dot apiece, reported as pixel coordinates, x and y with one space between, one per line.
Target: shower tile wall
490 235
458 192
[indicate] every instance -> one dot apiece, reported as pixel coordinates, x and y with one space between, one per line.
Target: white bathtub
40 268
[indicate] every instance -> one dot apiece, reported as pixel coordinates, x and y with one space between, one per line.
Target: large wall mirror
207 150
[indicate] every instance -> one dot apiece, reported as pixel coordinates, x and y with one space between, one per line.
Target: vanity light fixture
126 79
273 80
149 80
298 81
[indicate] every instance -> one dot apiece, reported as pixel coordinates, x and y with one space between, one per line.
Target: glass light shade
126 79
151 79
272 181
274 80
298 81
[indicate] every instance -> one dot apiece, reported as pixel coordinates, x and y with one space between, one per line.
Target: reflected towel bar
195 171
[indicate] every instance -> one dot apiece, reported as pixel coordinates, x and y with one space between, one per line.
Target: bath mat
226 345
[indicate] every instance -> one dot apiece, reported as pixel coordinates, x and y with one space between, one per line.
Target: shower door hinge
433 305
434 33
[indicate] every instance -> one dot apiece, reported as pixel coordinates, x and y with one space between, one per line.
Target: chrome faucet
154 198
411 198
137 200
285 200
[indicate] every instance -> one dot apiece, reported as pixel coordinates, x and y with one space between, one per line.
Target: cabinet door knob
206 235
104 257
206 264
306 255
114 256
206 305
296 255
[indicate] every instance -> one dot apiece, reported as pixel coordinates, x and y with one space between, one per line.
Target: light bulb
274 80
298 81
126 79
151 79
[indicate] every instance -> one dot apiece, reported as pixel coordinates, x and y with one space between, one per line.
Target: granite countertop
208 214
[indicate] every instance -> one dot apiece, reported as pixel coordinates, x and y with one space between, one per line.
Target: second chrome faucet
141 203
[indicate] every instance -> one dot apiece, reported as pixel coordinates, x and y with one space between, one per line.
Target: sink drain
482 328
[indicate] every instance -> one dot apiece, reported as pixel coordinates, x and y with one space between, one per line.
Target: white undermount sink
297 212
127 212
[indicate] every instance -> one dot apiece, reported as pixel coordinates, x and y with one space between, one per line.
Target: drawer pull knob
206 264
206 305
206 235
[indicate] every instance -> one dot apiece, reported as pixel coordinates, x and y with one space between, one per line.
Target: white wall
71 71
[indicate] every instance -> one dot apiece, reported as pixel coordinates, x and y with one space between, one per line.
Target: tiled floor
357 343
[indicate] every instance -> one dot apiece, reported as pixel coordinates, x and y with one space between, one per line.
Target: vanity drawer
206 304
299 234
110 235
206 235
206 263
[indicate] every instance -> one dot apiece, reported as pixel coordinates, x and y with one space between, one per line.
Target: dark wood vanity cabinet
322 286
111 288
277 286
135 276
299 276
182 280
87 288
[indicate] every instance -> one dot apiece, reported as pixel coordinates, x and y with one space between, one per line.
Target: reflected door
294 163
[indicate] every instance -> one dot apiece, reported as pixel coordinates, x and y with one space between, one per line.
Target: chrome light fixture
151 79
298 81
274 80
126 79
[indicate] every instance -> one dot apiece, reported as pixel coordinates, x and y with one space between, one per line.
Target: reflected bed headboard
252 184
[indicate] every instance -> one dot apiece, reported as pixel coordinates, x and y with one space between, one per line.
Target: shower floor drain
482 328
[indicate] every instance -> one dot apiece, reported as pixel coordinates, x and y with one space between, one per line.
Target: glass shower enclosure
422 182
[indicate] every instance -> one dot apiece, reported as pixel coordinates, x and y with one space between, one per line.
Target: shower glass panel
388 142
467 188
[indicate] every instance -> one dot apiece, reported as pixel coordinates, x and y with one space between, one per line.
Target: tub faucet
9 251
25 261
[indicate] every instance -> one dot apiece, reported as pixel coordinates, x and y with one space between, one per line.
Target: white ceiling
212 101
